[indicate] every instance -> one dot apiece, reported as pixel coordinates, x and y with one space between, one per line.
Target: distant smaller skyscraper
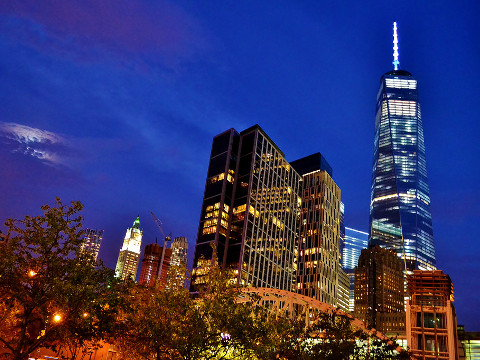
343 293
128 258
178 261
179 248
379 289
355 242
152 267
92 241
431 319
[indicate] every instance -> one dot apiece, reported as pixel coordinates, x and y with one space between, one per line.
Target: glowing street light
57 318
32 273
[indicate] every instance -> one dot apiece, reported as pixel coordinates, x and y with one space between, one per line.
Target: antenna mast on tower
395 62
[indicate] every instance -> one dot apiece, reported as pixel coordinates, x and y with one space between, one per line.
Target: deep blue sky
115 103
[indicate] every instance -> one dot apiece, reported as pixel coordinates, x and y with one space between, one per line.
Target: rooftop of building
257 127
312 163
399 73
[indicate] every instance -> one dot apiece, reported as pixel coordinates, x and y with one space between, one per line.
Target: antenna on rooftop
395 62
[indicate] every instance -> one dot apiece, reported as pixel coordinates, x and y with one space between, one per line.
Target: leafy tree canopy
50 291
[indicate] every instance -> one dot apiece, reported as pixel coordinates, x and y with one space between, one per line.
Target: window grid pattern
319 238
270 237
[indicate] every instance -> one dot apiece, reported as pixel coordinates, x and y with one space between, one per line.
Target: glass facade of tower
250 210
400 216
355 242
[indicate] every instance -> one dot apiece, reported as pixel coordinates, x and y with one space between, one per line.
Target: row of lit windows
401 83
221 176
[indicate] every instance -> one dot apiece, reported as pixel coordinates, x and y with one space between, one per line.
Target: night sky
115 103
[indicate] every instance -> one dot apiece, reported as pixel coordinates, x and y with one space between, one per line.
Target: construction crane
166 238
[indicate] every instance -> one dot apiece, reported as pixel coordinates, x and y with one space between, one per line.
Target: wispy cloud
41 144
118 26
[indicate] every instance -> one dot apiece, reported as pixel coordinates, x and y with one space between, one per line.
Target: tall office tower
343 292
179 250
379 291
431 319
319 257
153 268
355 242
250 210
342 232
400 216
127 262
92 241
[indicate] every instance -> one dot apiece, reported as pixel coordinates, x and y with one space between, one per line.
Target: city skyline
119 111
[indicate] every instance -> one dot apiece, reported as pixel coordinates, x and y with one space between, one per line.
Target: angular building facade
92 241
379 294
319 253
250 211
400 216
127 263
277 224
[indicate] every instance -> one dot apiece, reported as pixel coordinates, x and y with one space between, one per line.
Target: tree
49 290
170 324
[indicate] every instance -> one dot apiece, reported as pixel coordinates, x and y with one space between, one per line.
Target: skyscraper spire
395 62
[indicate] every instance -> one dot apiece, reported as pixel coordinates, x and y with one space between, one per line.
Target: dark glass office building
250 211
400 216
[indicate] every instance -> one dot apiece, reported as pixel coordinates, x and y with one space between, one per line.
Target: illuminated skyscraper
266 217
319 253
400 217
127 263
250 210
92 241
355 242
179 248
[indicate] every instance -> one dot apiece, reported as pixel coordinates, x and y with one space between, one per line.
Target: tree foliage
50 292
170 324
54 296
